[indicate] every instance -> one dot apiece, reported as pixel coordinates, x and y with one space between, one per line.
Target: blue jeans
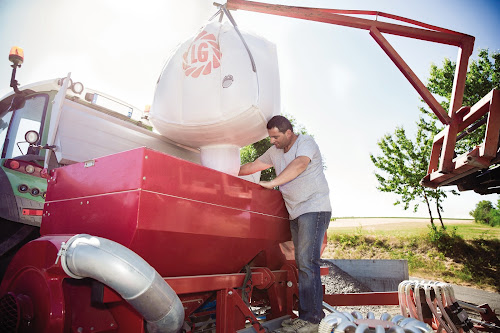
308 231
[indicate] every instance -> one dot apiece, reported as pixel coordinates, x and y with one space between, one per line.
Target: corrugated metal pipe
129 275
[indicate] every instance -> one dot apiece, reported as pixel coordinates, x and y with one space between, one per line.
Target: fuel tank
182 218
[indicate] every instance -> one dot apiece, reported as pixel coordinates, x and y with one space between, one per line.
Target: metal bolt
230 292
80 329
87 202
112 324
144 178
146 157
81 202
289 284
91 328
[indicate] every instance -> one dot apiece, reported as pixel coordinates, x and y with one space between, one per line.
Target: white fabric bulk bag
209 96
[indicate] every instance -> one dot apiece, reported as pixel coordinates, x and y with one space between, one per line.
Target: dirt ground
372 221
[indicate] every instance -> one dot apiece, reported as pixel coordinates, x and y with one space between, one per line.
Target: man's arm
253 167
295 168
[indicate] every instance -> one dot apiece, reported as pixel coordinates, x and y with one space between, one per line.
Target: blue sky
336 81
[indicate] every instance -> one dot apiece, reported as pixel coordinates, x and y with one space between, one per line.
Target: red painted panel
184 219
177 236
162 174
112 216
117 172
174 176
165 212
150 170
375 298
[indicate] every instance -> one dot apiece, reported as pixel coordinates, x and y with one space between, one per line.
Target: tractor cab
53 123
23 183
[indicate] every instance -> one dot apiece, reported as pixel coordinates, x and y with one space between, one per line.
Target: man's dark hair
281 123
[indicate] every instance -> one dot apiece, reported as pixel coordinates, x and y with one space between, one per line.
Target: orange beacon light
16 56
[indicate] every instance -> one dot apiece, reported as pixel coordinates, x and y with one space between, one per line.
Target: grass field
464 253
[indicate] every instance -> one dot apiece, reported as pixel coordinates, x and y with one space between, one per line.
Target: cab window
29 117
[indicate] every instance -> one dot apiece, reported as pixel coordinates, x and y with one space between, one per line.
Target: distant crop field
410 227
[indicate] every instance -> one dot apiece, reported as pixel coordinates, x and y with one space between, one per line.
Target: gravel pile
339 282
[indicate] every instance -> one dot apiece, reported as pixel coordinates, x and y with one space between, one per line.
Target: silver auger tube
129 275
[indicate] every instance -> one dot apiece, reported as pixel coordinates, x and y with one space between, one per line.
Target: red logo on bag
203 55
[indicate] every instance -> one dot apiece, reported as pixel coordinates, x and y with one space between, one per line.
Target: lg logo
203 55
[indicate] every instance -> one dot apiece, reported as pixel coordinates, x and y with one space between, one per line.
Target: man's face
279 139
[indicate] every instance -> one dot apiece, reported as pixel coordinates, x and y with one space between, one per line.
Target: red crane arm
423 31
444 167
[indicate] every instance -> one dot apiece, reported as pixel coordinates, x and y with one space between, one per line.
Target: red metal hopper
183 218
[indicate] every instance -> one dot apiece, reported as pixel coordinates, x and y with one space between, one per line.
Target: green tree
251 152
486 213
406 168
483 76
482 212
404 163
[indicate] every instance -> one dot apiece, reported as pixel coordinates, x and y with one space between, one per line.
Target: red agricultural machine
142 241
159 212
129 244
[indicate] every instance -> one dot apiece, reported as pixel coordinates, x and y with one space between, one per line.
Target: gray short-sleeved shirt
309 191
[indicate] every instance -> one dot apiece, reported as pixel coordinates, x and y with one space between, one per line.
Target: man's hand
266 184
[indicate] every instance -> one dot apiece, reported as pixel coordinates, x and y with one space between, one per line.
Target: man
299 169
